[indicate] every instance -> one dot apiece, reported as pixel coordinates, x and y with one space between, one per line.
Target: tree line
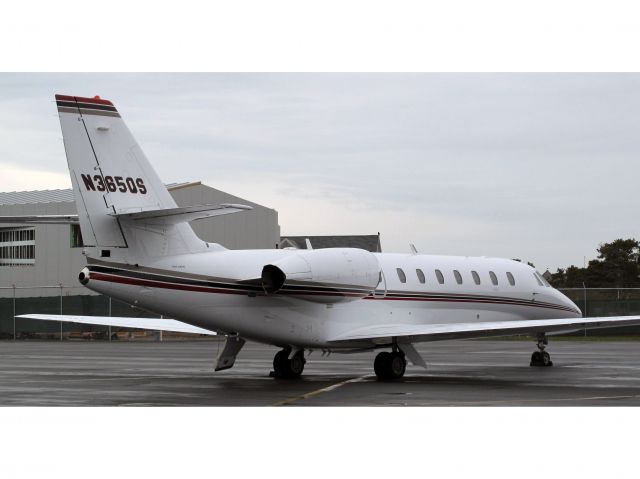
616 266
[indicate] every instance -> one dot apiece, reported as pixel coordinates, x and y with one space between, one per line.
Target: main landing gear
288 368
390 365
541 357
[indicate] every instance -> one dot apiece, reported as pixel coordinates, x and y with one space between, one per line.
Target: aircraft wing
140 323
413 333
42 219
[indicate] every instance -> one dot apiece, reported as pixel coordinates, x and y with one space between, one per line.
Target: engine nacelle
323 275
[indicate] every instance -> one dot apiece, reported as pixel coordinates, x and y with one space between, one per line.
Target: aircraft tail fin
112 177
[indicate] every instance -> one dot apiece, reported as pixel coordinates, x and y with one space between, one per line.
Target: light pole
14 311
60 284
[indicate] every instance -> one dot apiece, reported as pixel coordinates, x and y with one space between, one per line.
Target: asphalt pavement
180 373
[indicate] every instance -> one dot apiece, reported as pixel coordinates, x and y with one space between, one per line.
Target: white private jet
141 249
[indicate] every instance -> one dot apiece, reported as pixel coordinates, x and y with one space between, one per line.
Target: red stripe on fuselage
209 289
81 99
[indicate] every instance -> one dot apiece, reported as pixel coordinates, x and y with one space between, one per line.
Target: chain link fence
59 299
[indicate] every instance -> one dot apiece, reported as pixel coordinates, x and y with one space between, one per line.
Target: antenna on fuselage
413 248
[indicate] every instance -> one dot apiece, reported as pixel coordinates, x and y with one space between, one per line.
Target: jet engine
323 275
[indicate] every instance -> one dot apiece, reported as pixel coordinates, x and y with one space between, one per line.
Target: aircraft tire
388 366
380 365
286 368
536 359
296 365
280 363
397 365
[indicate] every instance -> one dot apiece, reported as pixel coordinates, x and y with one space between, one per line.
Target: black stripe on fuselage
165 281
230 284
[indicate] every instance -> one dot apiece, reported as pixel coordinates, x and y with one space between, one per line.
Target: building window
439 276
421 277
458 276
401 275
494 278
476 277
511 279
17 246
76 237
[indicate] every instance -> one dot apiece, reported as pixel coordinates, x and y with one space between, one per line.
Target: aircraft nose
565 301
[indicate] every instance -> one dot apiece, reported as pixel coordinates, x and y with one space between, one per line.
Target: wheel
546 359
389 366
380 365
536 359
288 368
397 365
281 364
296 365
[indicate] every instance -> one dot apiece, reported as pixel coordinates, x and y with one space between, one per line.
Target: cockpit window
535 275
544 281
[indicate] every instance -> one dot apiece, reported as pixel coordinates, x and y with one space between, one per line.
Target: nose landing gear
541 358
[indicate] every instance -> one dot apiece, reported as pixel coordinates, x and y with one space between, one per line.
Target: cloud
537 166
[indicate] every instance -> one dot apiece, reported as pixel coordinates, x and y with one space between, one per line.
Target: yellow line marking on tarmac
311 394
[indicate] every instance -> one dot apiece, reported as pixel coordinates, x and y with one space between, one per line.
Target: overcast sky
542 167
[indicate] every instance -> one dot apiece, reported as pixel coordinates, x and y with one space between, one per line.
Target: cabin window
401 276
458 276
439 276
535 275
421 277
494 278
511 279
476 277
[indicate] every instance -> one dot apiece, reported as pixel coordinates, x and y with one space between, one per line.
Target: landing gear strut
390 365
541 357
284 367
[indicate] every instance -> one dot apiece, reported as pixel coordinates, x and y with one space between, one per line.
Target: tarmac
180 373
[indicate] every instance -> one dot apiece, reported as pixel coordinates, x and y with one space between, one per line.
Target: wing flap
437 332
140 323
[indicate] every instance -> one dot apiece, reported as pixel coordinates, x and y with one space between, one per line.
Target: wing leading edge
413 333
140 323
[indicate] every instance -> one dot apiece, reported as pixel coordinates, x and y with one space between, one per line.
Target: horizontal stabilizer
182 214
42 219
436 332
156 324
